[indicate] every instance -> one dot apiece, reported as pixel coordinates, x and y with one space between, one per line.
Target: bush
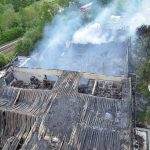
24 47
11 34
144 79
142 116
3 60
34 34
9 56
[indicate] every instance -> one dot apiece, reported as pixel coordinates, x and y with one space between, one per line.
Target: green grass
143 116
148 116
9 55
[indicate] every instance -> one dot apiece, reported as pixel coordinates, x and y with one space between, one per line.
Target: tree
28 16
143 34
24 47
8 19
11 34
18 4
34 34
48 10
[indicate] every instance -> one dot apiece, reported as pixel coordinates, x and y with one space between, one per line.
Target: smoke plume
93 41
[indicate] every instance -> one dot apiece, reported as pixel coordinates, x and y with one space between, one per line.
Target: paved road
8 47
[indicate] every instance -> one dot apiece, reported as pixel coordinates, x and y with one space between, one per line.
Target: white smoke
71 44
134 15
90 34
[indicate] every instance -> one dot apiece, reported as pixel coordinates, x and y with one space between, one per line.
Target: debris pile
35 116
108 89
139 142
34 83
86 88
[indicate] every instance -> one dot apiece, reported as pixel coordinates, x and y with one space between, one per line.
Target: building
64 110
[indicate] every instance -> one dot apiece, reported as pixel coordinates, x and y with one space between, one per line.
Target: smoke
55 34
90 34
132 14
98 45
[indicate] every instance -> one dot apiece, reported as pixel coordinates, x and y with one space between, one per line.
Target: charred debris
64 110
68 110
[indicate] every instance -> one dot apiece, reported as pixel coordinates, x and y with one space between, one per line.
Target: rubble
106 89
64 114
34 83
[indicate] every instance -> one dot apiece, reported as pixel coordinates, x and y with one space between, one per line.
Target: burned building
64 110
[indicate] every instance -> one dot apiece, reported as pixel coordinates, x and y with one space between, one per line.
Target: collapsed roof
63 110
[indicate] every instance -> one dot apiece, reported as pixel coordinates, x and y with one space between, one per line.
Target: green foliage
148 116
1 9
11 34
7 18
48 10
9 55
36 15
24 47
26 19
18 4
144 79
3 60
34 34
143 43
143 116
26 16
144 68
63 3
